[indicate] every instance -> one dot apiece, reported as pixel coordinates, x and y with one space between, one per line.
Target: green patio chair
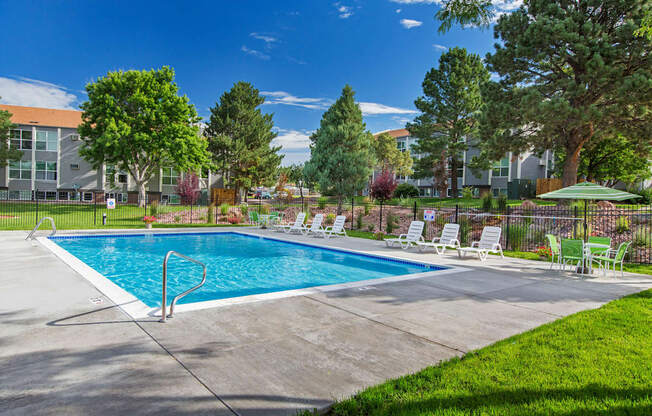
253 217
605 262
572 251
554 249
600 240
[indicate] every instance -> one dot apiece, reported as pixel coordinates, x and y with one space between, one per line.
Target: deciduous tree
572 74
390 157
341 152
449 108
7 153
136 121
188 189
240 138
383 186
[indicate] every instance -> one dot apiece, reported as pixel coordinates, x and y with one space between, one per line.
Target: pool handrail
165 283
54 227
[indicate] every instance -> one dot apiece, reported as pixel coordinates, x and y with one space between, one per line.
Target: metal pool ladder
165 283
54 228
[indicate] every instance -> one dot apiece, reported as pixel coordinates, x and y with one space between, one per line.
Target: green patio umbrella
588 191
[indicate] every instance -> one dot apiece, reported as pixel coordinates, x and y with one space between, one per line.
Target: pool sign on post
110 203
428 214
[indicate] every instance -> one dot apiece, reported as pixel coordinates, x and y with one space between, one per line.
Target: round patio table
588 255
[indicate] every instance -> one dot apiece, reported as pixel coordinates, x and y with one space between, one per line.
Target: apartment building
51 168
514 169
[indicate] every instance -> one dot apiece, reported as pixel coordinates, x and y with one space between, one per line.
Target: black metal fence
524 227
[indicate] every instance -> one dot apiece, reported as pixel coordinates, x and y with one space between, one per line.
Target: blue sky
300 53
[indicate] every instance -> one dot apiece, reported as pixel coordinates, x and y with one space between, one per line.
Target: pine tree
341 152
239 139
7 154
449 108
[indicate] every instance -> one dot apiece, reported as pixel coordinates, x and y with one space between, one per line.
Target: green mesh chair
605 262
554 249
572 251
253 217
599 240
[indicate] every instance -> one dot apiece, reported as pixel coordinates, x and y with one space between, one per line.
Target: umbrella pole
585 225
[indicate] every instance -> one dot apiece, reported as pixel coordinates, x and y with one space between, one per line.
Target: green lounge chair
605 262
572 251
554 250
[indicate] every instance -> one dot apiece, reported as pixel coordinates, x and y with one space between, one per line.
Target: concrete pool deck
65 348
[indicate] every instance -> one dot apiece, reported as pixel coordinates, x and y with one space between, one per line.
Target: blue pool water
237 264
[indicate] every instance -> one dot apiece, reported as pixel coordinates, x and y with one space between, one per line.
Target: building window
501 168
499 191
20 139
46 195
74 166
20 170
64 196
22 195
46 171
115 176
425 192
46 140
74 137
119 197
449 192
169 176
88 196
401 145
551 167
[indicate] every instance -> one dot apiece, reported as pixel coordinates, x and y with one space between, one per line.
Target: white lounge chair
448 239
407 240
489 243
334 230
297 226
315 226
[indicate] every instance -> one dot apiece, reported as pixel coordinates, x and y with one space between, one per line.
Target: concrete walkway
67 349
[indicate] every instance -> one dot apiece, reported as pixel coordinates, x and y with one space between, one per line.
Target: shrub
642 238
380 236
367 207
177 218
211 214
441 220
234 219
264 209
188 189
622 224
579 229
358 222
370 228
321 202
330 219
383 186
465 228
502 203
153 207
517 236
646 195
467 192
244 209
405 190
487 202
224 209
392 223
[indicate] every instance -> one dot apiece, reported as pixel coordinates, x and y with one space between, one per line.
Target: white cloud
409 23
500 7
295 143
369 109
344 12
257 54
417 1
282 97
398 10
35 93
269 40
440 47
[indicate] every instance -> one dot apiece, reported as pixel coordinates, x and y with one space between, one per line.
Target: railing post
507 229
352 210
415 211
574 222
191 212
94 208
380 220
457 213
36 199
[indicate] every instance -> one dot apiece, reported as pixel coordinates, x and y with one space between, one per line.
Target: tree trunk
569 175
339 205
142 194
453 176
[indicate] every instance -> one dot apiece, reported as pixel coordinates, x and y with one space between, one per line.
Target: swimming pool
238 264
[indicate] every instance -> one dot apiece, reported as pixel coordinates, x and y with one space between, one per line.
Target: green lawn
595 362
450 202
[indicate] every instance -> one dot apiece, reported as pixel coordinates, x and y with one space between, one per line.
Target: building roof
49 117
395 133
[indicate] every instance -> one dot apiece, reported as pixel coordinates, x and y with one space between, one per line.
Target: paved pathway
60 353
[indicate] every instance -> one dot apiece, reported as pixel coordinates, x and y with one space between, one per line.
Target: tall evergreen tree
341 152
449 108
7 153
136 121
239 139
572 73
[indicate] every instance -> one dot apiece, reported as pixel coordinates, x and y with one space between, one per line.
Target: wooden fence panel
545 185
222 196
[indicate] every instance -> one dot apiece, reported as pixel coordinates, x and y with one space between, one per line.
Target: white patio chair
489 243
335 230
406 241
296 226
448 239
315 226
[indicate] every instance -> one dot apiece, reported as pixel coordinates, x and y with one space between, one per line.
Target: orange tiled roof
395 133
49 117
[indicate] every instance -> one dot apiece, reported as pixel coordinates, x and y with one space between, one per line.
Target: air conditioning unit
74 137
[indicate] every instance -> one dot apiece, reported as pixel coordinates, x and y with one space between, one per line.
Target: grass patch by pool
593 362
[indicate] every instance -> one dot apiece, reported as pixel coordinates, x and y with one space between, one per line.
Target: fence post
94 208
352 210
507 229
36 198
574 222
380 220
414 211
457 212
191 212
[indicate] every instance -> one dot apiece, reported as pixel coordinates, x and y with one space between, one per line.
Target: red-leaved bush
188 189
383 186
